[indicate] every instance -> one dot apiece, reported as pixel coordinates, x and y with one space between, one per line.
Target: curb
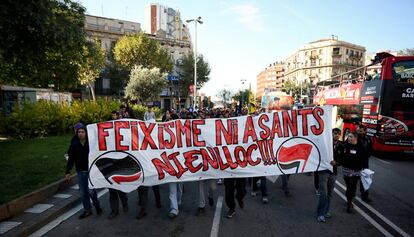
20 204
30 227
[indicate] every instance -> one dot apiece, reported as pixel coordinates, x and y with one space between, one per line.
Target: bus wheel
346 133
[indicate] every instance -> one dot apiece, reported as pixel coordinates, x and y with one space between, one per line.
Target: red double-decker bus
384 102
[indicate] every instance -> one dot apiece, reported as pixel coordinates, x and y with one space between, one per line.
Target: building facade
320 60
107 31
165 21
270 79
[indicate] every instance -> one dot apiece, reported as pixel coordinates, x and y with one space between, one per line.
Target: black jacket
367 145
353 156
338 150
78 156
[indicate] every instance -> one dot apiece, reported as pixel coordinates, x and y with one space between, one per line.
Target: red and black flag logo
295 153
119 167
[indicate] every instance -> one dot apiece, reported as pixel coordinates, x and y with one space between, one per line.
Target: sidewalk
40 213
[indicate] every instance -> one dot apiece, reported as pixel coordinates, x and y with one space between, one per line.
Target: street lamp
197 20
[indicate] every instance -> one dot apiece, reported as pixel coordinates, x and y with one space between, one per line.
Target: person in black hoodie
352 164
78 155
366 142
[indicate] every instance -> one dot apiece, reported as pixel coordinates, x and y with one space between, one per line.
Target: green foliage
140 109
248 97
41 42
187 72
294 89
145 84
139 49
93 62
48 119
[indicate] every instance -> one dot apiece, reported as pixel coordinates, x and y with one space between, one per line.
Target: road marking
62 195
366 216
383 218
383 161
217 216
39 208
8 225
51 225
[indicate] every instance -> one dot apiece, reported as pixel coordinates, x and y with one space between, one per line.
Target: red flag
296 152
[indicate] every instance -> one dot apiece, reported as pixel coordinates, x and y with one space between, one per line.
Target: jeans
176 192
86 193
114 200
263 188
326 185
232 184
212 186
351 186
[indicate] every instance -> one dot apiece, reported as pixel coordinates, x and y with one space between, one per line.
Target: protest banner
125 154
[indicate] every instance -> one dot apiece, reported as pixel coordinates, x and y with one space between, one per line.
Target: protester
123 112
78 156
149 115
366 142
263 188
231 185
74 137
143 190
285 184
116 195
210 183
352 164
174 114
327 179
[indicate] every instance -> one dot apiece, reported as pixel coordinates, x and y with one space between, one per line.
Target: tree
41 42
145 84
224 95
247 96
139 49
187 72
294 89
92 65
407 52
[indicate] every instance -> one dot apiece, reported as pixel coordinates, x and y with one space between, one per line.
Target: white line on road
383 161
366 216
42 231
216 220
383 218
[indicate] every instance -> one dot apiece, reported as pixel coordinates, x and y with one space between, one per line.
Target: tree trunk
92 91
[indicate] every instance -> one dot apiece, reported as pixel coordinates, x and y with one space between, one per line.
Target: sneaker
99 211
241 203
328 215
85 214
220 181
321 219
172 215
265 200
253 194
112 215
210 201
231 213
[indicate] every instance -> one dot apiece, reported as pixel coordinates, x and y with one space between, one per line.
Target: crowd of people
352 155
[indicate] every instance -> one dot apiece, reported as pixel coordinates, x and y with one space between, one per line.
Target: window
320 51
347 51
335 51
352 53
313 62
403 72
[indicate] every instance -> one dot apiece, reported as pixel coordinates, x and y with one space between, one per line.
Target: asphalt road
391 213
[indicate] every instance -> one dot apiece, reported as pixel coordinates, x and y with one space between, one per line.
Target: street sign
173 78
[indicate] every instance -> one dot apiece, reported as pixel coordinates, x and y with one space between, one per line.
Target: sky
241 38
